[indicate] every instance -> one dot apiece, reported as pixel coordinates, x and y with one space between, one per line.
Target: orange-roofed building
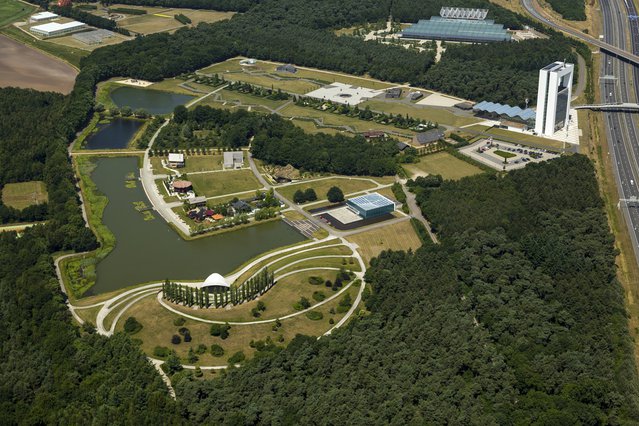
217 217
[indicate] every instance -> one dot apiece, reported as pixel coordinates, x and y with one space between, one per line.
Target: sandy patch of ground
134 82
437 99
22 66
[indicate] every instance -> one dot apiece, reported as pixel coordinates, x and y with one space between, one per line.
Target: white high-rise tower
553 98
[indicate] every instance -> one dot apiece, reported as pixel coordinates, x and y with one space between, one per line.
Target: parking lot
505 155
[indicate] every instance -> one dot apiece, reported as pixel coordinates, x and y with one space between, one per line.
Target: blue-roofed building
507 112
371 205
461 30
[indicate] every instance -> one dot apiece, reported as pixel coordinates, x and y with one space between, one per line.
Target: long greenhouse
462 30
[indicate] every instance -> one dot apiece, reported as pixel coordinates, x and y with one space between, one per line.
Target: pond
152 101
114 135
148 250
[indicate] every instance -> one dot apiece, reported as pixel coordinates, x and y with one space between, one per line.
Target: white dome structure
215 280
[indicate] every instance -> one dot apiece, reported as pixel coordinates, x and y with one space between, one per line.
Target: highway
621 128
533 8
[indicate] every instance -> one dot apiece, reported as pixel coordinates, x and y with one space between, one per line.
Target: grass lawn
158 328
517 137
339 119
439 115
441 163
68 54
400 236
284 82
279 300
165 194
246 99
222 183
13 10
331 262
171 85
193 163
160 19
310 127
321 77
504 154
24 194
321 187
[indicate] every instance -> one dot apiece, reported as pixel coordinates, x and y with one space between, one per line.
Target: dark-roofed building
240 206
466 106
196 201
373 134
415 96
402 146
286 68
428 137
394 93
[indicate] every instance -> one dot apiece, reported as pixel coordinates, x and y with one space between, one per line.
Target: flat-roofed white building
176 160
233 160
43 16
54 29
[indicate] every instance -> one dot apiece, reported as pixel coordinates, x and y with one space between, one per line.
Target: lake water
151 251
114 135
152 101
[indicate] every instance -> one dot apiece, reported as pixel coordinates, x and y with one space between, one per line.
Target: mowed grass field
221 183
400 236
441 163
516 137
158 328
193 163
318 77
24 194
13 10
159 19
331 119
438 115
321 187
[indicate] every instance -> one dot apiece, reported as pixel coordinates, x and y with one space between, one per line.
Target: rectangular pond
114 135
152 101
148 250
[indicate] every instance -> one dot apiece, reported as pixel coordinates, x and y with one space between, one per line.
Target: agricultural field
441 163
72 43
399 236
222 183
24 194
321 186
13 10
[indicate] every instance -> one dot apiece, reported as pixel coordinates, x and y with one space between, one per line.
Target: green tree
299 197
335 195
310 195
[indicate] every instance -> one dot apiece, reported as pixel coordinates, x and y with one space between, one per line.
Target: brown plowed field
22 66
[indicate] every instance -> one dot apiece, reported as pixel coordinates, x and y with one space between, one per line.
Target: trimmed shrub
132 326
217 350
314 315
315 280
161 351
237 357
318 296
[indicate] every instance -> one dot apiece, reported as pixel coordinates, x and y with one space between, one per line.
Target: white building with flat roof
233 160
176 160
43 16
54 29
553 98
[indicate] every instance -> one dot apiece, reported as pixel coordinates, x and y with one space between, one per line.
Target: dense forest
50 373
574 10
277 141
515 318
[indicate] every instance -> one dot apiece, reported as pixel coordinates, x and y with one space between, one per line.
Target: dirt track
22 66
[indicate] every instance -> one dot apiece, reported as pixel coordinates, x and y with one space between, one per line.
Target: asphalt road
609 45
621 128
